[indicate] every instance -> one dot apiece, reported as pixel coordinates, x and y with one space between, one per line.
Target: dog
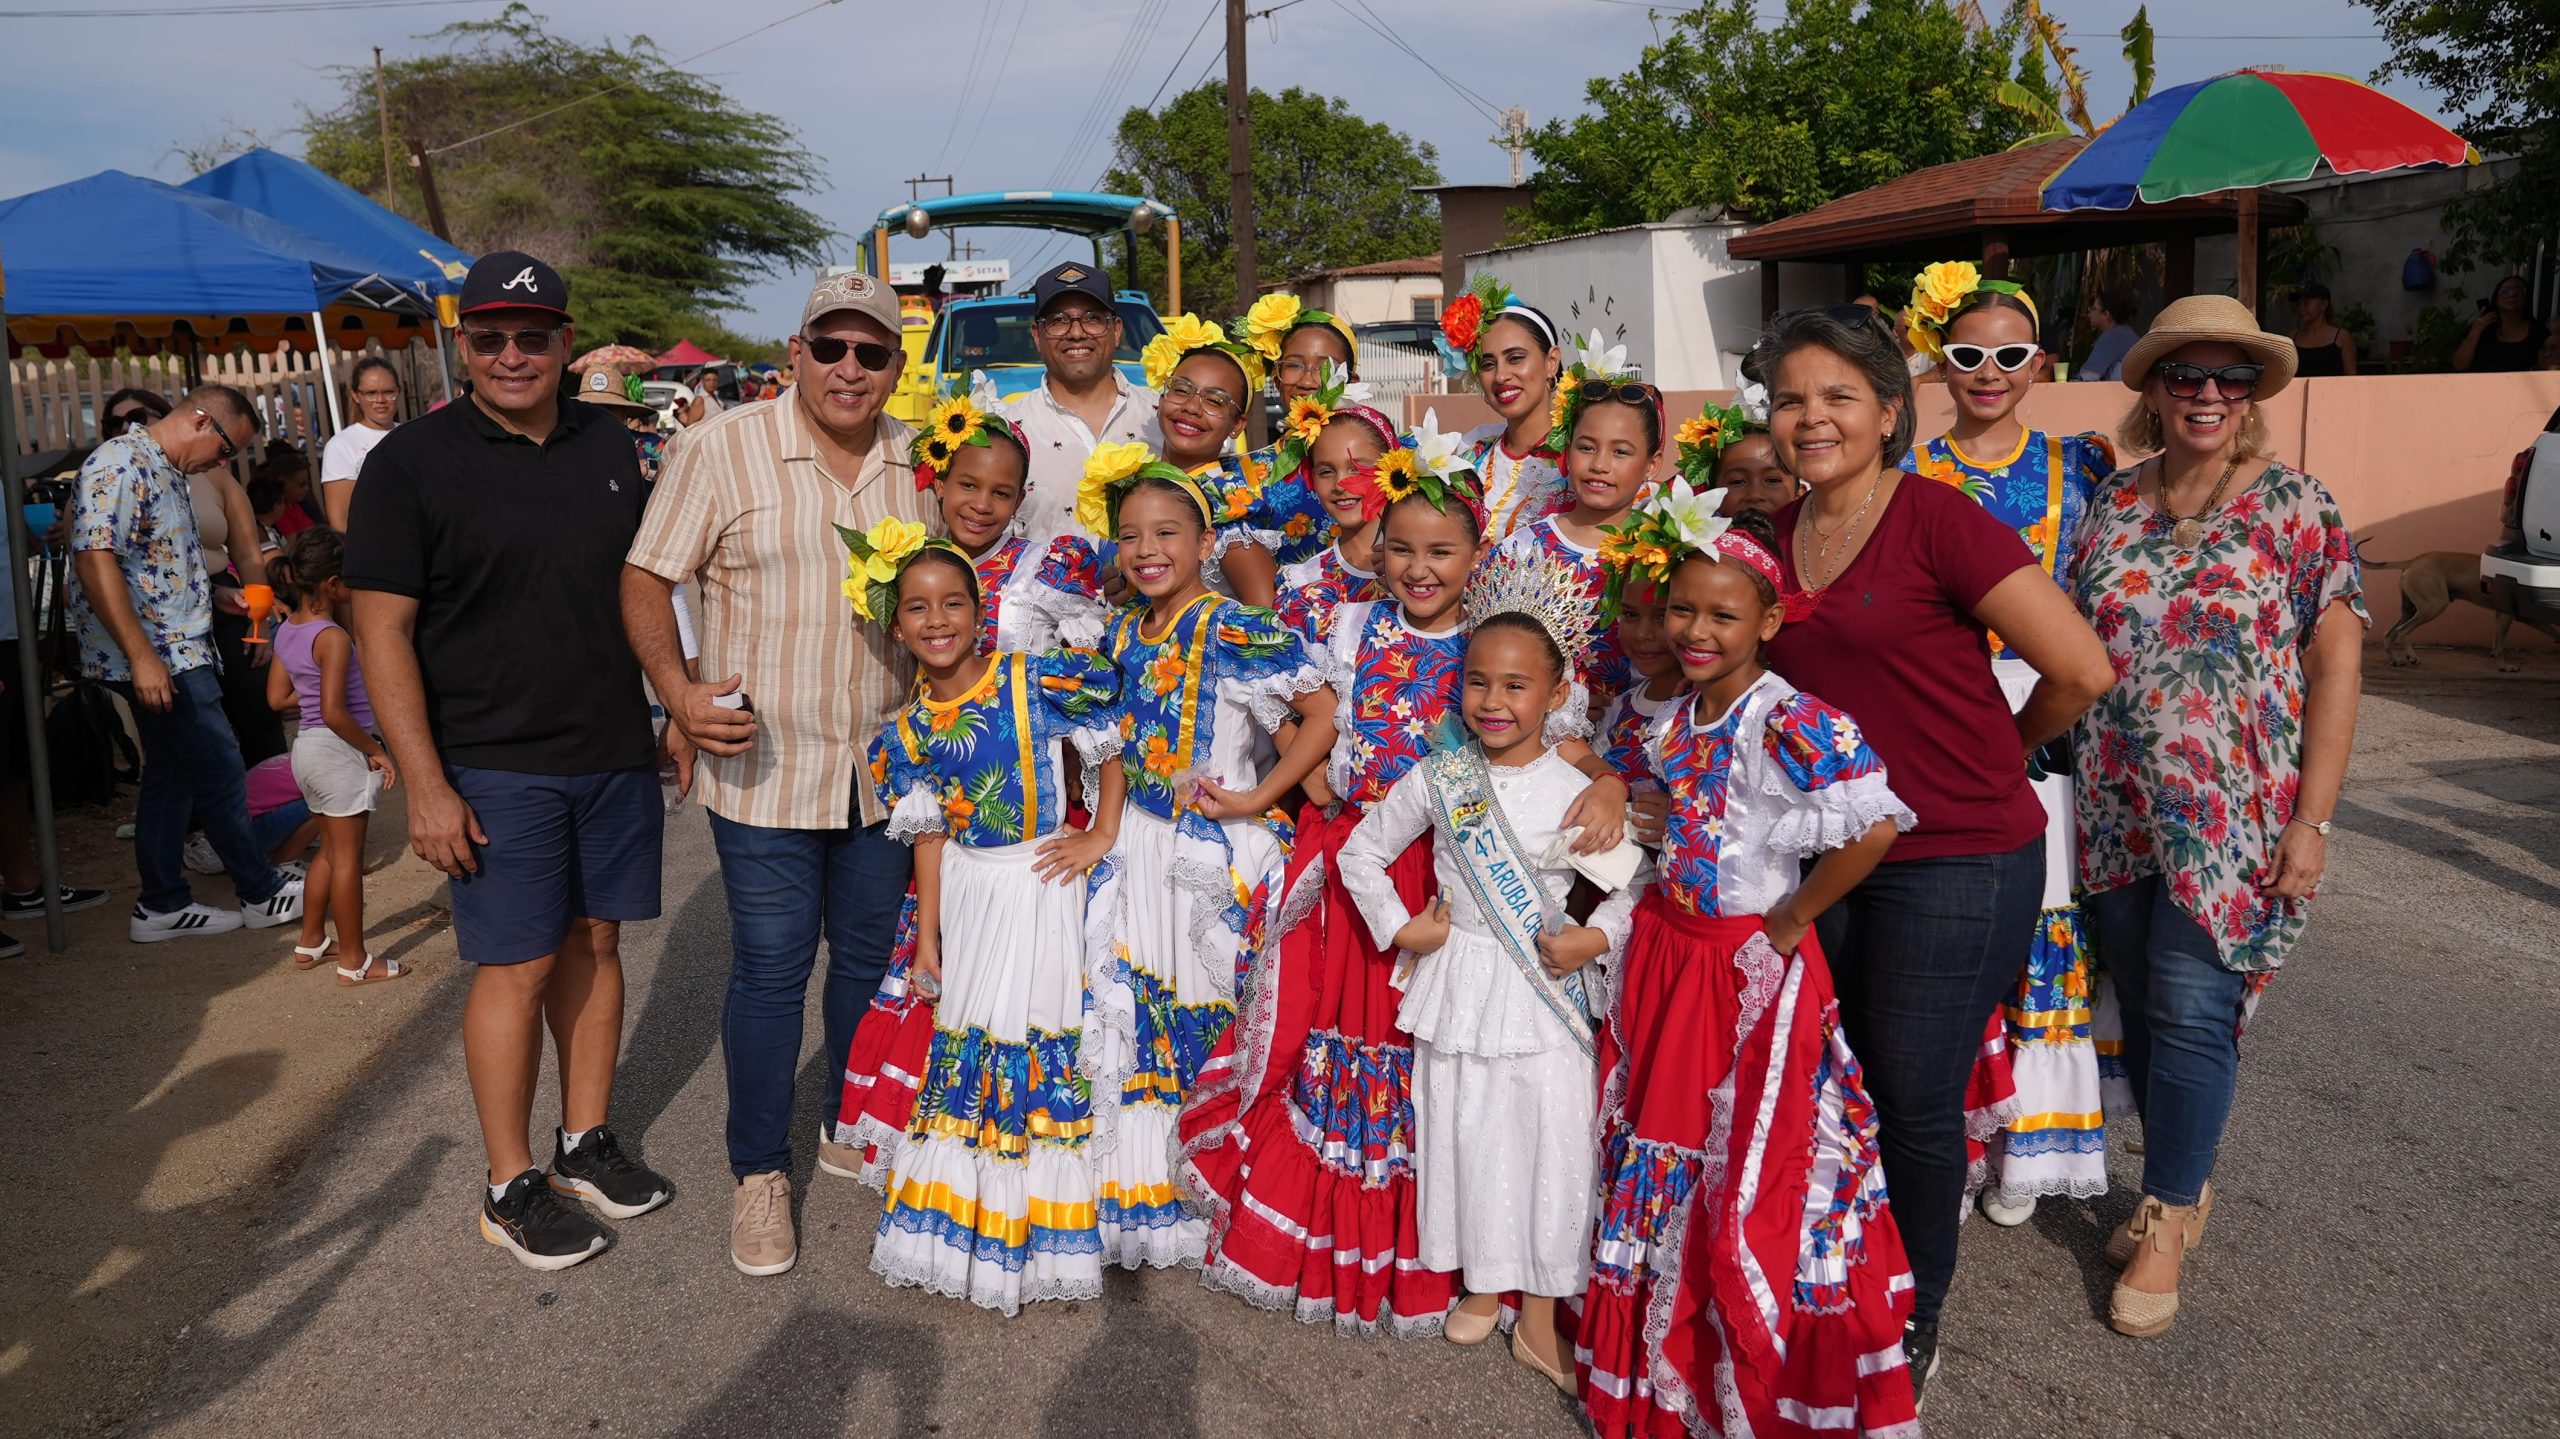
2429 584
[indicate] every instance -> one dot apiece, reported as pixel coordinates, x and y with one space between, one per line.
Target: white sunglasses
2010 358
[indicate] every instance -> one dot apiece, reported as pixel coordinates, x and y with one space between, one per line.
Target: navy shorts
561 847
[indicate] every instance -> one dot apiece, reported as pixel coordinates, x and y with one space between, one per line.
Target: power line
987 97
627 84
1385 32
1115 82
242 7
969 80
1171 70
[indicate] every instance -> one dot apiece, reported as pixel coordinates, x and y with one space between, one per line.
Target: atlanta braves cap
512 279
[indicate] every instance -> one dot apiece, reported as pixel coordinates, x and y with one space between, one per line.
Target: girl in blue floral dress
1032 597
1306 350
990 1196
1206 379
2040 485
1176 911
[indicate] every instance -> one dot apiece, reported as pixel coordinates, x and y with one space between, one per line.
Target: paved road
2382 1262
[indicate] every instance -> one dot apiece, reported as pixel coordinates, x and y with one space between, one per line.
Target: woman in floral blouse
2225 587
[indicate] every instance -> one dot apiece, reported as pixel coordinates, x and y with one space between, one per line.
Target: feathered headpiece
1187 333
1675 522
965 416
874 559
1309 414
1599 365
1112 470
1521 580
1940 291
1430 462
1267 325
1487 299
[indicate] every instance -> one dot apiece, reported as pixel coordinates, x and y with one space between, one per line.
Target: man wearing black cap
1084 401
485 551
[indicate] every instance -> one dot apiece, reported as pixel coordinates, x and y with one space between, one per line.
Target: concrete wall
1367 299
1685 309
2417 462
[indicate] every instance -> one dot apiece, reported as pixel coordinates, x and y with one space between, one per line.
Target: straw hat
603 387
2217 318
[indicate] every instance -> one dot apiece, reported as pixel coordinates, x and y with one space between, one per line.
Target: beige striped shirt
745 512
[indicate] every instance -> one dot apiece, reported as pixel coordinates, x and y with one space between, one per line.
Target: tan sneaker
844 1161
760 1237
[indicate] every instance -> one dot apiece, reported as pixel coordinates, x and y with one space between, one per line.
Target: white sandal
364 974
307 956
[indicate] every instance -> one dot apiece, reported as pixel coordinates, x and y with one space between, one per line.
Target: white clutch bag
1611 869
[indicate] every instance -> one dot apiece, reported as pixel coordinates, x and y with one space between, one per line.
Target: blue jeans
1921 954
191 766
786 886
2181 1030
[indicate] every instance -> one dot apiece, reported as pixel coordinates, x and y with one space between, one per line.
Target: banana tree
2061 109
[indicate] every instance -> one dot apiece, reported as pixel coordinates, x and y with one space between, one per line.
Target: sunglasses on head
2010 358
2185 382
829 350
495 342
1628 392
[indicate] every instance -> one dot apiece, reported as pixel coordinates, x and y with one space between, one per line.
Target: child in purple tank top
337 761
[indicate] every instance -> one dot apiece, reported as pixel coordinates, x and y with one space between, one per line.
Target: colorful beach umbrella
2246 129
624 359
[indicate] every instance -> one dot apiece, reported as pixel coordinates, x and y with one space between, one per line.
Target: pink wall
2417 462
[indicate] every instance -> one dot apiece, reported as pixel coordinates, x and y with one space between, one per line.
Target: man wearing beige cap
792 689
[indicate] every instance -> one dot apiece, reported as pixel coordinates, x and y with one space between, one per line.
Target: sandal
307 956
364 974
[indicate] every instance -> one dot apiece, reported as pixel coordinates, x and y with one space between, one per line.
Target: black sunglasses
494 342
2010 358
229 450
829 350
118 421
2185 382
1631 392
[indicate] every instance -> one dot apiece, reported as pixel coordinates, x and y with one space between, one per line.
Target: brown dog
2429 584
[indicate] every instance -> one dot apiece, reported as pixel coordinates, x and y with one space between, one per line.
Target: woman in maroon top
1896 585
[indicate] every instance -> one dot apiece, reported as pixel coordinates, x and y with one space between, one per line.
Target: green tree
1329 188
659 201
1839 95
2055 112
2497 63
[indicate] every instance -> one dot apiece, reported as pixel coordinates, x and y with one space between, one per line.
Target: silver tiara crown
1523 581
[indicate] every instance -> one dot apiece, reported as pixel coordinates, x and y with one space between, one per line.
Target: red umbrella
686 352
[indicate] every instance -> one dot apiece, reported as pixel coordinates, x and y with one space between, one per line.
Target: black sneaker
1920 1355
602 1175
533 1224
19 903
11 948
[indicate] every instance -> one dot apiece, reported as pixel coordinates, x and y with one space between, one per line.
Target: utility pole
1514 137
427 188
1239 157
382 107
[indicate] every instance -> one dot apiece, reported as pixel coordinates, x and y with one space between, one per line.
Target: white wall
1368 299
1684 308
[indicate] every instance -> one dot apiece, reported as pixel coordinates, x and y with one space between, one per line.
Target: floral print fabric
985 760
2188 767
132 502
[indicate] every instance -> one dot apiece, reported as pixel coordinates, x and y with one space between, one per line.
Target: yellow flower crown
1186 333
1266 326
874 559
1942 290
1112 470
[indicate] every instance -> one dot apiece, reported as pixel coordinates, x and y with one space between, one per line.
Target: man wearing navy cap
485 548
1084 401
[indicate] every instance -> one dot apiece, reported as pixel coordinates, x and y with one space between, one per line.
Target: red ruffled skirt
1746 1269
1306 1162
886 1062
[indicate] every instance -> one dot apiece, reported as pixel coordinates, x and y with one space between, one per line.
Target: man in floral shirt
145 611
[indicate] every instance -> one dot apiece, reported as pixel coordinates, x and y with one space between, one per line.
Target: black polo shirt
513 552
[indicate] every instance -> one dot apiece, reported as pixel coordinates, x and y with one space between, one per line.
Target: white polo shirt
1059 442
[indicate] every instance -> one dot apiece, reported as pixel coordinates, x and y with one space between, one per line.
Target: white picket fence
1393 371
58 400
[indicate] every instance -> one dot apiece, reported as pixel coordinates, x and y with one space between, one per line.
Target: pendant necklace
1822 555
2188 532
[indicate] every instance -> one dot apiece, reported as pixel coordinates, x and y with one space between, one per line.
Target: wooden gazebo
1988 209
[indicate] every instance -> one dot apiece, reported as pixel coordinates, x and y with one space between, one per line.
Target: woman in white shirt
375 389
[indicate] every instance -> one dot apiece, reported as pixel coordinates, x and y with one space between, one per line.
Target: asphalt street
2380 1263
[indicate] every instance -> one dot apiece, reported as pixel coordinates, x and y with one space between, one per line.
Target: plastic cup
261 600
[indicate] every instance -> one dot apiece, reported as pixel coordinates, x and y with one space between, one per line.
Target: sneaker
1920 1356
2005 1212
760 1237
598 1172
293 869
282 907
199 855
19 903
195 919
11 948
844 1161
538 1227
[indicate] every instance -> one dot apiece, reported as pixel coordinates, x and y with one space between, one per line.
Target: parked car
994 335
2522 572
1412 334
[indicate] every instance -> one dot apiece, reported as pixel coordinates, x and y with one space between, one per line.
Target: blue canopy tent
319 205
114 257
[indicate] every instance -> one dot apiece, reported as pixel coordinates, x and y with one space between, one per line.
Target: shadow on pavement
1153 1364
802 1381
679 1022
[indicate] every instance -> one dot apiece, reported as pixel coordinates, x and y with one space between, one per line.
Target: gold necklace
2188 532
1822 554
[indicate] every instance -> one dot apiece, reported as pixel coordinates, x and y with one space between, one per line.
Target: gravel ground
2370 1270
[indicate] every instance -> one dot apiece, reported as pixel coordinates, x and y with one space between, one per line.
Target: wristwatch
2322 827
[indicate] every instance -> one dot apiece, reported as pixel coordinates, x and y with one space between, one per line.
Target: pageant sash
1502 880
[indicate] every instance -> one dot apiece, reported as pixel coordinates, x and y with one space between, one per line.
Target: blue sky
78 95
